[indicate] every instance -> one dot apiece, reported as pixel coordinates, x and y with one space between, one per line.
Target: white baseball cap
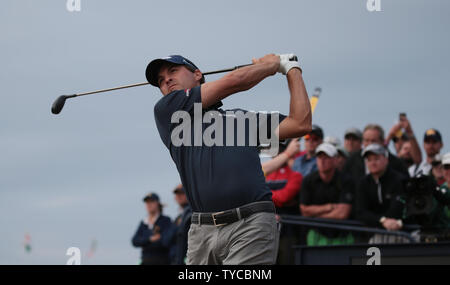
327 148
332 140
376 149
446 158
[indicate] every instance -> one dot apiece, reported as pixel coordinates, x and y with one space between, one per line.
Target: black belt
230 216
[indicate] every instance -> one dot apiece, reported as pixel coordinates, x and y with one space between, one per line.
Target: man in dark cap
379 194
151 232
353 140
233 219
306 163
432 144
355 165
180 229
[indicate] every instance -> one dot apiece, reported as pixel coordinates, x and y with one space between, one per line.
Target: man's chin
175 88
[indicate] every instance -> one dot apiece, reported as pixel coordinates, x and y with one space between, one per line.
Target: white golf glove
286 56
286 64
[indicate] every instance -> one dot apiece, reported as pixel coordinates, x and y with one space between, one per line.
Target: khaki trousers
250 241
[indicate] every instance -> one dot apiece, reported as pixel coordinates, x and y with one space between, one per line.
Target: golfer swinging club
233 220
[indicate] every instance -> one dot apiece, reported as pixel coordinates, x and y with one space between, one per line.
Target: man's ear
198 75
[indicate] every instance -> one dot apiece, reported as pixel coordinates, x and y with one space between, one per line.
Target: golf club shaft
109 89
226 70
58 104
146 83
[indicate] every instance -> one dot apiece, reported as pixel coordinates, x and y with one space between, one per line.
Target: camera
419 196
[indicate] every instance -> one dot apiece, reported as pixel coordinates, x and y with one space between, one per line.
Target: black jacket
154 252
373 202
356 169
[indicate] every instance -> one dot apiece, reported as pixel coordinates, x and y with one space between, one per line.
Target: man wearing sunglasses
306 163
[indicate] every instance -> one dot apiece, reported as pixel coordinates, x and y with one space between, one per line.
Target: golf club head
59 104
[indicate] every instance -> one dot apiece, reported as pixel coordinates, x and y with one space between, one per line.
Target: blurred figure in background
178 239
432 144
437 169
446 185
282 180
353 140
332 140
446 169
430 214
379 194
306 163
342 155
285 185
405 143
405 154
151 231
399 138
355 165
327 193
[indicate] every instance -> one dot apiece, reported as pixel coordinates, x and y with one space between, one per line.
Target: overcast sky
81 175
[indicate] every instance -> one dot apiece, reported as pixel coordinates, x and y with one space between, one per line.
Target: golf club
61 100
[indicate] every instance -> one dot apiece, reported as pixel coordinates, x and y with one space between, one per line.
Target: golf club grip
294 58
226 70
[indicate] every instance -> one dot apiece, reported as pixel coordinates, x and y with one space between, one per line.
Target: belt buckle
214 218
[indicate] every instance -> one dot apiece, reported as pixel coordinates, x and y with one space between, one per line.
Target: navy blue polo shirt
216 178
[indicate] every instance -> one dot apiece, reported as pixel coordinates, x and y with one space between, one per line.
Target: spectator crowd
358 180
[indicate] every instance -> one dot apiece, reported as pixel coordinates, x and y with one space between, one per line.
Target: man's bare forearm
239 80
299 107
340 212
275 163
416 153
298 123
247 77
315 210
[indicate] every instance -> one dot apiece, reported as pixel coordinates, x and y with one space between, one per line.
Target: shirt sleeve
140 238
289 191
180 100
164 225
